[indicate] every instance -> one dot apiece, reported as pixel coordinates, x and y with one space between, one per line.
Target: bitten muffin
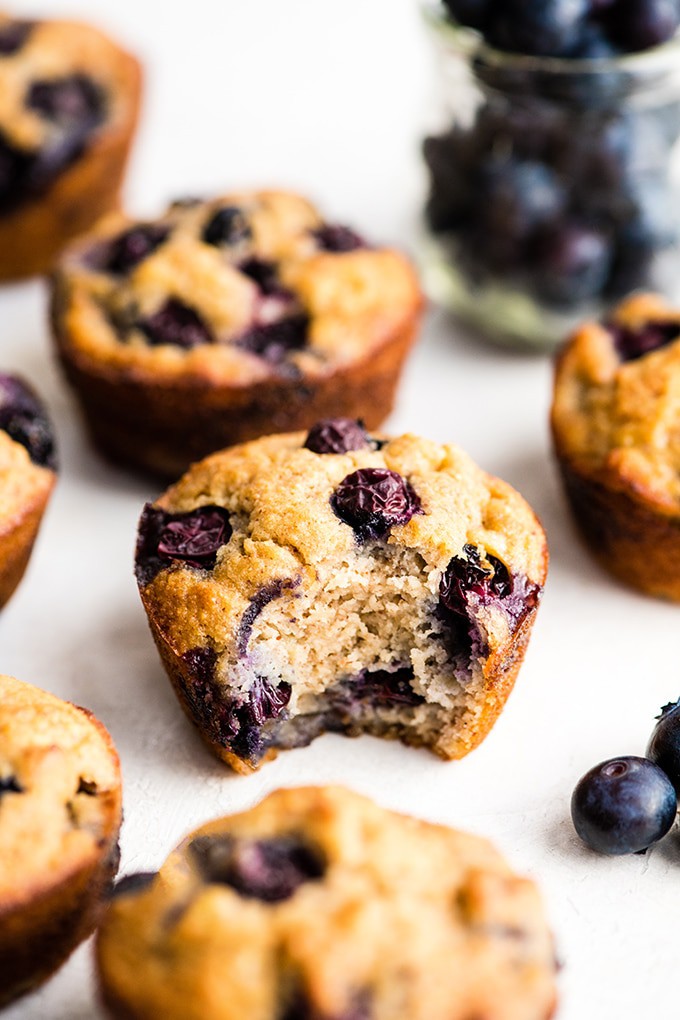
318 904
27 475
616 431
340 581
226 320
60 812
69 98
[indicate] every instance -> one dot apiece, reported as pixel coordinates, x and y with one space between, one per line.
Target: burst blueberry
13 36
337 435
623 805
193 538
226 227
177 325
133 246
632 343
269 870
336 238
372 500
23 419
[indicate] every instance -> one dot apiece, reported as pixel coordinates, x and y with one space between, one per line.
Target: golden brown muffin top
616 407
59 790
318 900
36 53
232 290
282 529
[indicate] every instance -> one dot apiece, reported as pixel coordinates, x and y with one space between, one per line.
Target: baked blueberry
623 805
177 325
634 342
227 225
23 418
336 238
193 538
270 870
664 745
14 35
337 435
372 500
133 246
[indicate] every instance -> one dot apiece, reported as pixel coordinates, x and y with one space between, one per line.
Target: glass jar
553 184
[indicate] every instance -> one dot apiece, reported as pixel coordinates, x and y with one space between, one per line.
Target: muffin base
16 544
36 938
634 542
34 234
162 428
499 675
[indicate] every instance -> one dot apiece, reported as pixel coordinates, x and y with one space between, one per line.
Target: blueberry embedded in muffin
27 476
60 812
337 581
615 418
69 112
228 319
319 904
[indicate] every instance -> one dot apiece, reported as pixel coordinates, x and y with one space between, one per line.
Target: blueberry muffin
60 812
27 475
615 424
226 320
338 580
318 904
68 108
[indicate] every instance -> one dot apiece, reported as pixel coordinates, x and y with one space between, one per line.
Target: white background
331 98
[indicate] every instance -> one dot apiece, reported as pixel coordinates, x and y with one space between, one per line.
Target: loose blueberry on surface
136 882
664 745
13 36
274 341
372 500
623 805
635 343
132 247
73 101
9 784
270 870
193 538
337 435
23 419
227 226
176 324
336 238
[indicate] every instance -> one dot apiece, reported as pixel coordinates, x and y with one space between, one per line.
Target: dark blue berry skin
573 264
623 805
664 746
641 24
549 28
472 13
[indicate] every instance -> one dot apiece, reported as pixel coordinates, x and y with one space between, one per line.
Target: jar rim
469 42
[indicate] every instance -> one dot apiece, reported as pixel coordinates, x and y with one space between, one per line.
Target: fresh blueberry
372 500
336 238
133 246
13 36
635 343
548 28
623 805
193 538
641 24
176 324
573 263
133 883
337 435
473 13
594 44
664 746
227 226
516 196
270 870
23 418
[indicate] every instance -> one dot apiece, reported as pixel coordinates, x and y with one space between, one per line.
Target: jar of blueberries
553 175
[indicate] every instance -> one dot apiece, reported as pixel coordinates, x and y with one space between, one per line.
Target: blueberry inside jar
551 189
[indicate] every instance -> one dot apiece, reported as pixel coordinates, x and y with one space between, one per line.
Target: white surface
329 98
